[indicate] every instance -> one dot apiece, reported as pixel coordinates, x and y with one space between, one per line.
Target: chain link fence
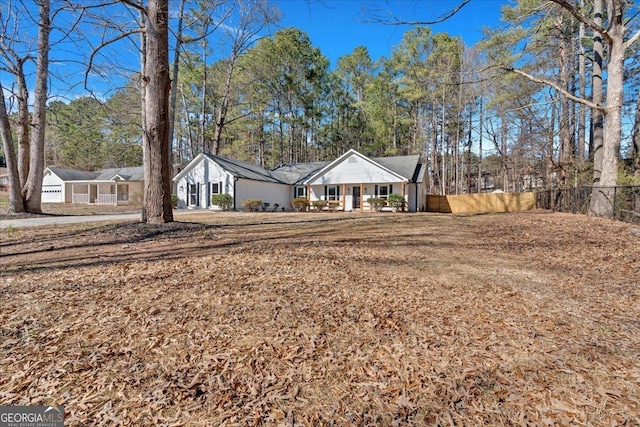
625 201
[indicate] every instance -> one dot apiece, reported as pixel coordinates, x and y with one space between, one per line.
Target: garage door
51 194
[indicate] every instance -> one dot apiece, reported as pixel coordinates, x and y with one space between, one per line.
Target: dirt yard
326 319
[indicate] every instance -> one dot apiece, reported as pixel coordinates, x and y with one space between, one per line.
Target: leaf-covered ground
326 319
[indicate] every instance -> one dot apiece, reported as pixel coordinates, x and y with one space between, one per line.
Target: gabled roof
73 175
126 174
406 166
236 168
244 169
346 155
296 173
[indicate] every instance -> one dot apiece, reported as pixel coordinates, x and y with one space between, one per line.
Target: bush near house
251 205
300 204
174 200
377 203
225 201
319 204
396 201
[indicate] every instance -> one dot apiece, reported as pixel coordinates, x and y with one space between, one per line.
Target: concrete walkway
75 219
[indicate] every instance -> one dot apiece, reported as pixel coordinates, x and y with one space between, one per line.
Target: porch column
98 194
404 196
73 193
361 197
116 203
344 197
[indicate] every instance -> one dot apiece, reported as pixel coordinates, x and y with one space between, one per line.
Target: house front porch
112 193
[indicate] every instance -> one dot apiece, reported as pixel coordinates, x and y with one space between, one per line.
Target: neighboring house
348 181
119 186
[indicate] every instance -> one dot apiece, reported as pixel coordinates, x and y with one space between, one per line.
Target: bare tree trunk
635 151
22 130
16 202
156 86
203 106
33 186
597 117
582 113
602 203
481 119
174 78
566 150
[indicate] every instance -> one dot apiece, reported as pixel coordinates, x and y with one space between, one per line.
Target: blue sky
338 26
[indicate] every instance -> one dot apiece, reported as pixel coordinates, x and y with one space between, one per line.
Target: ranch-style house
347 182
118 186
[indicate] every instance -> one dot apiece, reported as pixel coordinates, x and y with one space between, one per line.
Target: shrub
300 204
174 200
377 203
251 205
319 204
396 201
225 201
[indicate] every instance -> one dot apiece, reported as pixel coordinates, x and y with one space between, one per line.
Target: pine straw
522 319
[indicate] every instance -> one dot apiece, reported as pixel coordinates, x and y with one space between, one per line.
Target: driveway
71 219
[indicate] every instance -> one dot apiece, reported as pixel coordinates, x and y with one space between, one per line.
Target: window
216 188
123 195
383 191
332 192
301 192
193 194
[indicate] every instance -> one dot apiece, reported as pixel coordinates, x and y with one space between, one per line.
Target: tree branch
102 45
632 40
134 5
394 20
564 92
569 7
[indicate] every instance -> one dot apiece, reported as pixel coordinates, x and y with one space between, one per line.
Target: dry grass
326 319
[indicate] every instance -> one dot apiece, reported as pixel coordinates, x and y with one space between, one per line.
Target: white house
348 181
207 175
119 186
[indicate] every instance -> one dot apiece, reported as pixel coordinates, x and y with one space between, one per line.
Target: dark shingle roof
244 169
73 175
296 173
128 174
406 166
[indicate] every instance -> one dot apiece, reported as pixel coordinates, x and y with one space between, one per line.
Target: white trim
345 156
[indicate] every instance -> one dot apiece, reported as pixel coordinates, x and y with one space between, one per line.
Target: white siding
53 188
354 170
203 172
269 192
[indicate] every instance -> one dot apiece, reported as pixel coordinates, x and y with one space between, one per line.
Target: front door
356 197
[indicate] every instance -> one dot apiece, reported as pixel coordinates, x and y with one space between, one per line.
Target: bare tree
253 17
155 111
27 170
613 33
16 202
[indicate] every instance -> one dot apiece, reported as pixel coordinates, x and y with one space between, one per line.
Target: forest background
520 106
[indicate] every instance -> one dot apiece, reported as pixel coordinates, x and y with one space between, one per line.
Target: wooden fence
484 202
